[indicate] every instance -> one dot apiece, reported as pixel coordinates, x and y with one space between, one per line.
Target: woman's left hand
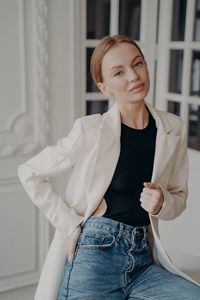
151 198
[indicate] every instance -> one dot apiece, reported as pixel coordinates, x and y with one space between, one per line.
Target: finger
147 191
148 207
146 201
71 251
145 196
72 242
154 193
150 185
75 234
149 202
145 206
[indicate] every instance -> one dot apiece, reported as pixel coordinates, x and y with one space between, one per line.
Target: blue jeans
113 261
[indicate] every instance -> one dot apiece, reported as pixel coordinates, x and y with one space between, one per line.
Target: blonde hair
106 44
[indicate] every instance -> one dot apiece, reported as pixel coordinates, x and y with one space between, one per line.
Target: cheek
117 86
147 82
146 76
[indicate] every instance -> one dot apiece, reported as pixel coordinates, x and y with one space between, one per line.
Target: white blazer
90 153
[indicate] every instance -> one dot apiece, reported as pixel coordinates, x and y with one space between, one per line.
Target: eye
138 64
119 73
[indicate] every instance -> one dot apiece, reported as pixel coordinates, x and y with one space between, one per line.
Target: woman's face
125 74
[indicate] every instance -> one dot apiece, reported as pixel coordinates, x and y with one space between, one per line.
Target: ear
103 88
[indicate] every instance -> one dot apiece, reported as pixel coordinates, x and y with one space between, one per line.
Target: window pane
96 106
176 70
197 22
91 87
195 74
194 126
178 20
174 107
98 18
129 18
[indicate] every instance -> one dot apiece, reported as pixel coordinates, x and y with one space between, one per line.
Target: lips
137 87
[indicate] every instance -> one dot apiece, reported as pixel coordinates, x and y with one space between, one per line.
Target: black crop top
135 166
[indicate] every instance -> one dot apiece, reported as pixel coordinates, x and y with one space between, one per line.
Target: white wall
24 233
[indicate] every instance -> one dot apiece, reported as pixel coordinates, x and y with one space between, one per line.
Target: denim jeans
113 261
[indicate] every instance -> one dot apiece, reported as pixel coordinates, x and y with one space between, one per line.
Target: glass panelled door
179 63
177 91
168 33
109 17
97 26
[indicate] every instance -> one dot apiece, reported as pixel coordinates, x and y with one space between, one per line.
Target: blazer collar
166 138
107 151
112 121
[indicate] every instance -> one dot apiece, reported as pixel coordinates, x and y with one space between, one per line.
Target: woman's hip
108 255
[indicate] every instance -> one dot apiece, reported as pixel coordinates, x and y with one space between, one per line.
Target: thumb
72 242
150 185
71 250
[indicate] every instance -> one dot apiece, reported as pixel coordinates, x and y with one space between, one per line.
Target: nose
132 75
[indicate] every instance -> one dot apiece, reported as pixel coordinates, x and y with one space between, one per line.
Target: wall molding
31 133
30 130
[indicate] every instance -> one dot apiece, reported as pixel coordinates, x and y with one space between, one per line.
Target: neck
134 115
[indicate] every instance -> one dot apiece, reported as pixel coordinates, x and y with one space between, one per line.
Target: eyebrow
119 66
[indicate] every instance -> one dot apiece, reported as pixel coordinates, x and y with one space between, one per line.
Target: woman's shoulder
166 119
172 123
171 120
90 121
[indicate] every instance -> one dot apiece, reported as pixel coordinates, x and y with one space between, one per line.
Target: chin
138 98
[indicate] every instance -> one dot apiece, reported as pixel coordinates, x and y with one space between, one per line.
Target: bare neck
134 115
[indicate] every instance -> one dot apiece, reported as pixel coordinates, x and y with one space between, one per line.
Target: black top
135 166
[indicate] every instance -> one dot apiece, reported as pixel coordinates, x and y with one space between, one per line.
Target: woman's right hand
72 242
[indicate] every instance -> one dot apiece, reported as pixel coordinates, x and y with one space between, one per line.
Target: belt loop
120 231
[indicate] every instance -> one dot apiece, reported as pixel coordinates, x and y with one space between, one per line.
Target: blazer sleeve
175 195
35 177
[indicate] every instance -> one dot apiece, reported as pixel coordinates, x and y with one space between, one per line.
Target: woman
128 168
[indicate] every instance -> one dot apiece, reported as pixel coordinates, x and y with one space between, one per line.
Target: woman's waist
118 229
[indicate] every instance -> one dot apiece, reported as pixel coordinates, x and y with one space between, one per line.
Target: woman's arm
175 194
35 177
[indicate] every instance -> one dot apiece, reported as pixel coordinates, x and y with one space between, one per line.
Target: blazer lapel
106 157
166 142
165 146
108 150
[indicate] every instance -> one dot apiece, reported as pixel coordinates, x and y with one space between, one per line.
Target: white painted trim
91 43
189 24
22 56
148 39
38 130
22 109
164 47
82 68
41 234
114 17
75 61
95 96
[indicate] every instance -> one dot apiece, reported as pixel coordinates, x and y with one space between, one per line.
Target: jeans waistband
115 227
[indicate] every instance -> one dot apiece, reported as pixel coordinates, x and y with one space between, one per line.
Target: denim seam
143 297
143 273
120 232
138 278
98 247
67 287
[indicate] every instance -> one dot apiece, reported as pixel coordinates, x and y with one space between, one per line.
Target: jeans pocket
96 239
